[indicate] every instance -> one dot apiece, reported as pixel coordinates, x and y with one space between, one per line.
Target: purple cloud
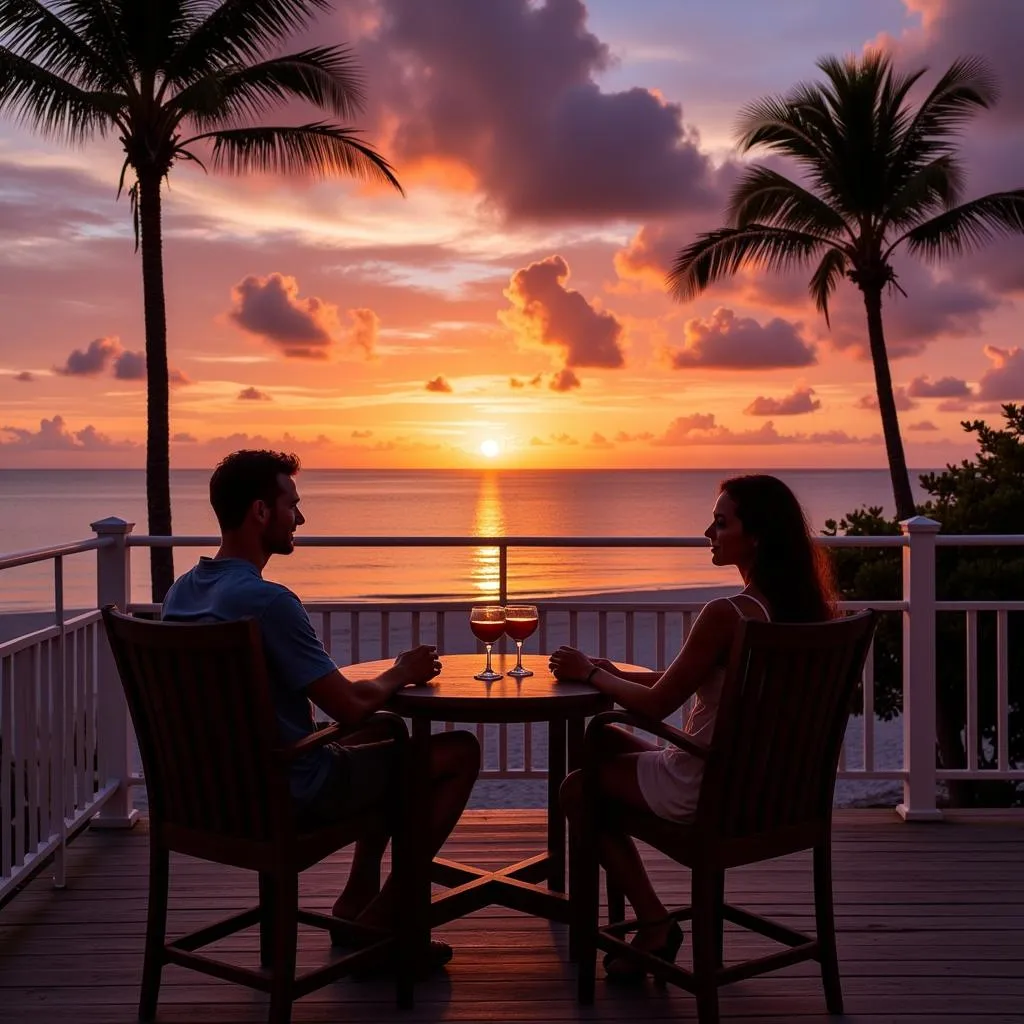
54 435
944 387
507 89
900 395
92 360
800 400
271 308
741 343
130 366
702 429
251 394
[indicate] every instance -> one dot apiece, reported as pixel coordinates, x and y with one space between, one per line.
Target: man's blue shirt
226 589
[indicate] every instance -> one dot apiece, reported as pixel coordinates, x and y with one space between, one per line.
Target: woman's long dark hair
790 570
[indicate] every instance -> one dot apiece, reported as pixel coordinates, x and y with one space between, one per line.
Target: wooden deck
930 921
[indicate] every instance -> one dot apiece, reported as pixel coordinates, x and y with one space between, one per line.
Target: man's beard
277 541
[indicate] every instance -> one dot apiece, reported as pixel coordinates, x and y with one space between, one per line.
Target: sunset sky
555 156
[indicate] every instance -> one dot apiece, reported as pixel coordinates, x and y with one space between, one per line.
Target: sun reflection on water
488 521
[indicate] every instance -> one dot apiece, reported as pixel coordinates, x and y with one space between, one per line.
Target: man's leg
363 883
454 767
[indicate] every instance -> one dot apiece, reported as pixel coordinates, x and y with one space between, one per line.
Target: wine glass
487 623
520 622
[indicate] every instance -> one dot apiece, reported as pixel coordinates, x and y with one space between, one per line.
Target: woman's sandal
631 973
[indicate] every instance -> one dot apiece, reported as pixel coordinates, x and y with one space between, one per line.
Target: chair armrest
667 732
332 733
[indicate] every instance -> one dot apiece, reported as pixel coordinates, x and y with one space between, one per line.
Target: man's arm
350 702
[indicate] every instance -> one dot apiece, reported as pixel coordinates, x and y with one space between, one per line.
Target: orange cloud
546 313
365 330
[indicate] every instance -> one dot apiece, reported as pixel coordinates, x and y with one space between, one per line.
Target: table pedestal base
514 886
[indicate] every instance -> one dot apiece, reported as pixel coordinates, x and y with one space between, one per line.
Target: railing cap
111 525
919 524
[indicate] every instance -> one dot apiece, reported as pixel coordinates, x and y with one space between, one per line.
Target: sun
490 448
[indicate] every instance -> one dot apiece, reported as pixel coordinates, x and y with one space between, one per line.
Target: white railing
67 748
54 777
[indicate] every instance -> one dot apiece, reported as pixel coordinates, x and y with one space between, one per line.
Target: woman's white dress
670 778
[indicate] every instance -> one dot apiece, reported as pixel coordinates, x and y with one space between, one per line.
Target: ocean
45 507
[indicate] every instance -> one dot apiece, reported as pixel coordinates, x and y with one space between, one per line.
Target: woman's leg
616 851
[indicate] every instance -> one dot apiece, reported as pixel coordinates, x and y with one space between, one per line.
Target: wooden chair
767 791
217 781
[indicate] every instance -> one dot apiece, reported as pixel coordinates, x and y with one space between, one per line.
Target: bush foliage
983 495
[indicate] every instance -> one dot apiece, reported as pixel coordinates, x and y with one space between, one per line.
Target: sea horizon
45 507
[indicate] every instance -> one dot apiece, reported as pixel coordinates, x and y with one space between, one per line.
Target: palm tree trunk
158 442
901 490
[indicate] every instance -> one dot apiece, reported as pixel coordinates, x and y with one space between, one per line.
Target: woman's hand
567 663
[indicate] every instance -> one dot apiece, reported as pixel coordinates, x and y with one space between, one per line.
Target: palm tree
179 80
877 174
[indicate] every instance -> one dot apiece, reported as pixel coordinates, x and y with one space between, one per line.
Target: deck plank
930 925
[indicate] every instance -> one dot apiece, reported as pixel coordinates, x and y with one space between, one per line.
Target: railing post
113 728
919 683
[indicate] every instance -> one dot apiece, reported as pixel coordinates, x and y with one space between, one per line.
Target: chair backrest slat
784 709
199 698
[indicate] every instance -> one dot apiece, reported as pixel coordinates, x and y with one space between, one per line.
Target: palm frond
33 31
967 227
318 150
52 106
937 185
101 24
776 125
829 273
721 253
324 76
765 196
966 87
238 32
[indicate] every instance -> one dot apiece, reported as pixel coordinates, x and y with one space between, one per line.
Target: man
256 502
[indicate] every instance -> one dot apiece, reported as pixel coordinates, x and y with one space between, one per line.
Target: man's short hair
244 477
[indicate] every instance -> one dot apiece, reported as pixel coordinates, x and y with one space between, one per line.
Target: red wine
520 628
487 632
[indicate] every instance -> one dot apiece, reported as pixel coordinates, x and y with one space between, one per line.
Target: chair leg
404 874
720 916
574 877
266 919
285 938
156 929
825 923
584 897
705 945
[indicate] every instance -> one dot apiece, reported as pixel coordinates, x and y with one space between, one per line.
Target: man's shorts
361 777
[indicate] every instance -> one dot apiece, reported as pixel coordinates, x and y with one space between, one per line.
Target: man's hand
607 665
418 666
568 663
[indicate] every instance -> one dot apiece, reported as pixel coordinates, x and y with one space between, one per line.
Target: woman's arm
645 678
704 650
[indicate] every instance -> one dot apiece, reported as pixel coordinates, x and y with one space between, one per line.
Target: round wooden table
455 696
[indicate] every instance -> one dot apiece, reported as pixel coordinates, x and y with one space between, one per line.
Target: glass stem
487 647
519 654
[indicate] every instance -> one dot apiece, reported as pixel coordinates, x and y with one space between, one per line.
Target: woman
760 528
